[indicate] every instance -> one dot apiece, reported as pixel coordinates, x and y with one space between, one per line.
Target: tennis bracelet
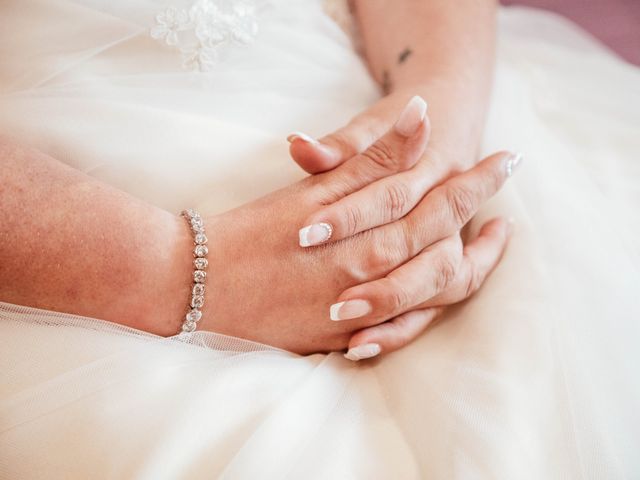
200 263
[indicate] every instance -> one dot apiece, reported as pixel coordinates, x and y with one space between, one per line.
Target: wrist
168 277
181 267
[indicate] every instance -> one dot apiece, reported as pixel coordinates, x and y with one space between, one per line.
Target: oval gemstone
201 238
188 327
200 250
194 315
199 276
201 263
197 301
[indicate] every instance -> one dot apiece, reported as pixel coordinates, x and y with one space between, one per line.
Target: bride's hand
445 208
264 287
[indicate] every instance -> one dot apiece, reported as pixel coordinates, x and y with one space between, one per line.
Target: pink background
615 22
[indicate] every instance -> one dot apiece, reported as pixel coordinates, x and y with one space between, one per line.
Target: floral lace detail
204 28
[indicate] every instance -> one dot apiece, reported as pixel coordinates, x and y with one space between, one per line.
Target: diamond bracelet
200 263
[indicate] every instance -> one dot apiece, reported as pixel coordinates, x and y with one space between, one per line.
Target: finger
316 156
448 207
408 286
326 153
378 203
391 335
480 258
398 150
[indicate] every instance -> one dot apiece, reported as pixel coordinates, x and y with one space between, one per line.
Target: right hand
262 286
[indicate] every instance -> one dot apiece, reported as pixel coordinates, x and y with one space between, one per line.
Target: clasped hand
379 252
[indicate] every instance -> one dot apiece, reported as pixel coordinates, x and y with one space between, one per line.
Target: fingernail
302 136
315 234
411 117
511 223
349 309
513 161
361 352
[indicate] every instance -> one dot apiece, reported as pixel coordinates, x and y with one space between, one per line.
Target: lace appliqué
200 31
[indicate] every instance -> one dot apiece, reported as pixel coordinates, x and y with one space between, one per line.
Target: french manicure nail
302 136
513 161
349 309
361 352
511 223
411 117
315 234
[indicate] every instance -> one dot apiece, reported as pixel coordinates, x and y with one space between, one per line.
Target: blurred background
614 22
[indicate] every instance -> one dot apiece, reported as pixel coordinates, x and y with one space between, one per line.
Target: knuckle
474 281
401 330
397 198
352 220
446 270
342 141
387 250
381 153
397 298
377 260
461 202
411 237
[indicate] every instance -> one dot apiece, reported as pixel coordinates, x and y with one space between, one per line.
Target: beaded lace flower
206 27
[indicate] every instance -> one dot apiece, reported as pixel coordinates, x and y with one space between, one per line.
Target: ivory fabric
535 377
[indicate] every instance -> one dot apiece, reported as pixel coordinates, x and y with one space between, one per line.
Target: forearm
439 49
72 244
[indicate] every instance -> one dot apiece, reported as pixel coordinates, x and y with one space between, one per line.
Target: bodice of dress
201 29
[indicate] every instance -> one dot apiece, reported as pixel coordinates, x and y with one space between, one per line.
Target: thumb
326 153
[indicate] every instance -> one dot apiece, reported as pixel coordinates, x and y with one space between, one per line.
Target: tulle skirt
534 377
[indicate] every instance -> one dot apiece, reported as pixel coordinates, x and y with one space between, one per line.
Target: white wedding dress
536 377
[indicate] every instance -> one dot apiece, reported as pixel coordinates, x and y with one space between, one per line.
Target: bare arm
72 244
442 50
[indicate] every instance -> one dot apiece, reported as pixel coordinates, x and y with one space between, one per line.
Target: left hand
389 199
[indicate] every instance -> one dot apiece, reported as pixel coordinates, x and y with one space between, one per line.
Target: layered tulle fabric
533 378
